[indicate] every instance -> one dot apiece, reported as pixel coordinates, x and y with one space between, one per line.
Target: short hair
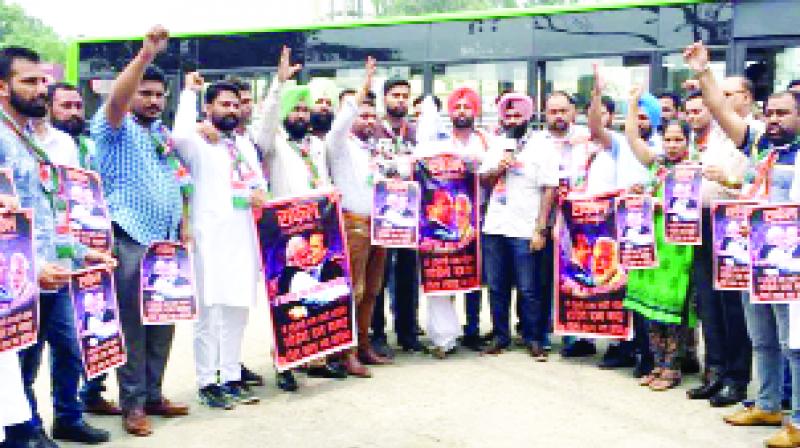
346 92
9 54
674 97
394 82
240 84
436 101
215 89
794 95
53 88
609 104
153 73
369 99
793 83
693 95
746 83
566 95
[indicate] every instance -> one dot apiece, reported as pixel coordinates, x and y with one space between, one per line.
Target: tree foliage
18 28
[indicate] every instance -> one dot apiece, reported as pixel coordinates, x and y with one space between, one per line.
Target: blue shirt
140 187
15 155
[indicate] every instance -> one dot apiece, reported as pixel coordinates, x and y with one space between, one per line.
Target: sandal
650 377
667 380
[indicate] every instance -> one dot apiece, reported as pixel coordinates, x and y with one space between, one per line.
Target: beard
558 126
397 111
74 126
516 132
779 136
225 123
35 107
463 122
321 121
364 133
297 129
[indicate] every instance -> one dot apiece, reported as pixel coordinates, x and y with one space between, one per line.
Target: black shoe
286 382
382 348
473 342
494 348
79 432
330 370
642 368
414 347
488 337
579 349
706 390
251 378
728 396
615 358
690 364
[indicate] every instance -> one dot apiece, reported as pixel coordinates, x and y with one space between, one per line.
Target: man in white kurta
228 183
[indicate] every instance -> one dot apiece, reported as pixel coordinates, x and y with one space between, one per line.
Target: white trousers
218 343
14 407
443 325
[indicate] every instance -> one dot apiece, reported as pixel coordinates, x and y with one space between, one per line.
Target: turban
464 92
519 101
652 108
292 96
323 88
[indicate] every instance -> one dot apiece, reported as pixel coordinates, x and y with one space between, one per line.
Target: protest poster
683 205
167 284
7 182
635 232
774 254
307 273
449 247
19 290
395 216
731 245
100 338
86 210
590 281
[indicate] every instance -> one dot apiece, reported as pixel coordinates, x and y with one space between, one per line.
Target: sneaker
213 397
239 393
251 378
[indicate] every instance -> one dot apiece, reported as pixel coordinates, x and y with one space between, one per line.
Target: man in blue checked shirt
142 182
22 98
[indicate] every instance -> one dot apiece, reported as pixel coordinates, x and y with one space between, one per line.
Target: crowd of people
201 182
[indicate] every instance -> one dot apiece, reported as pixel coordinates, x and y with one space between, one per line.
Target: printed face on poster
19 291
683 205
395 217
167 284
635 232
775 254
307 276
86 210
731 244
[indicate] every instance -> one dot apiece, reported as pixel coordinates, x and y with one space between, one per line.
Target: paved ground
464 401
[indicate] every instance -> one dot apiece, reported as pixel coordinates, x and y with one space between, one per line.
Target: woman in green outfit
659 294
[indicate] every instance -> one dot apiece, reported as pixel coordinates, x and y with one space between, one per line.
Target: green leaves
17 28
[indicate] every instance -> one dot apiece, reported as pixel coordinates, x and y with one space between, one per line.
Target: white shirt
514 213
59 146
721 152
289 175
349 161
227 262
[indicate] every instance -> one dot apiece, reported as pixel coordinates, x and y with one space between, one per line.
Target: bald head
738 92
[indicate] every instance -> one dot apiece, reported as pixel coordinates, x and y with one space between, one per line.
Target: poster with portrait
306 268
775 253
7 182
86 211
395 215
19 290
167 284
683 205
94 300
590 281
731 244
449 247
635 232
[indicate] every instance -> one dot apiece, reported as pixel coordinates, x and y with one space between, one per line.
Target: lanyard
305 153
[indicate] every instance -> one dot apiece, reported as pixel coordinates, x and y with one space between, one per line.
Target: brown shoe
787 437
754 417
137 423
101 406
354 366
538 352
166 408
368 356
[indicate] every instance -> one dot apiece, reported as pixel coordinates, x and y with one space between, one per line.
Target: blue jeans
92 389
510 261
57 328
768 326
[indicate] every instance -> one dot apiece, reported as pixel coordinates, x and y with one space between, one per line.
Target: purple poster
590 282
97 320
167 284
307 273
395 217
449 247
635 233
19 291
775 254
731 257
683 205
86 210
7 182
